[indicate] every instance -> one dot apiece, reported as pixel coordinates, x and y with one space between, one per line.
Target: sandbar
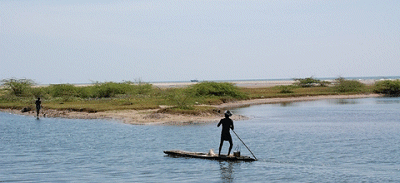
151 117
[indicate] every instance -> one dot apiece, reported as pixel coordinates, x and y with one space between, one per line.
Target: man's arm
219 123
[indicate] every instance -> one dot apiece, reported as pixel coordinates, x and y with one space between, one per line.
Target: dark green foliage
98 90
39 92
388 87
24 88
286 89
343 85
85 92
310 82
217 89
109 89
63 90
18 87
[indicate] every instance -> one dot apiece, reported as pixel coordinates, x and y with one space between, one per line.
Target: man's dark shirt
227 124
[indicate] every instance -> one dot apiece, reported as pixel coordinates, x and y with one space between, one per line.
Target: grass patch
101 105
196 111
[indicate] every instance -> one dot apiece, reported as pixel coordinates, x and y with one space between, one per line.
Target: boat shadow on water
227 164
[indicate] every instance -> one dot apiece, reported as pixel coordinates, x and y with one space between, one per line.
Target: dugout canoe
210 156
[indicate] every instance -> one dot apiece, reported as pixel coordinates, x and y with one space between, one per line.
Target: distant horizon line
242 80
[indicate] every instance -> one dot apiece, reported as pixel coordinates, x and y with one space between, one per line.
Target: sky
70 41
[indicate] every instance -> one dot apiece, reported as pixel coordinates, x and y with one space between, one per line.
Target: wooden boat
211 155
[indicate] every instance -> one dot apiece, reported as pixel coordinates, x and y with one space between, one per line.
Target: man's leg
230 146
220 147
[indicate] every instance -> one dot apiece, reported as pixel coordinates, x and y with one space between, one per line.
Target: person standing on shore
227 124
38 106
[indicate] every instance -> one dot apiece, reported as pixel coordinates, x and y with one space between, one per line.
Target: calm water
355 140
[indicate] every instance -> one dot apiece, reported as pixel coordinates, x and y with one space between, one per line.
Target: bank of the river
152 117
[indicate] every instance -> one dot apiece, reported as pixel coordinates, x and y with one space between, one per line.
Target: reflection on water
343 101
388 100
226 171
287 104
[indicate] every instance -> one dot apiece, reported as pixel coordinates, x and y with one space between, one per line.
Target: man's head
228 113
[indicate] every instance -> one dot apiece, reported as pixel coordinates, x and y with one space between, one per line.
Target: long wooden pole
244 144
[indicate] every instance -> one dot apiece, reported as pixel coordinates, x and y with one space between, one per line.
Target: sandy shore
140 117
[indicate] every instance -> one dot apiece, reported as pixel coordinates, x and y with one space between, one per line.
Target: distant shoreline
249 84
142 117
246 82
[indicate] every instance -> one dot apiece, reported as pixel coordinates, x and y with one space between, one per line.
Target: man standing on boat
227 124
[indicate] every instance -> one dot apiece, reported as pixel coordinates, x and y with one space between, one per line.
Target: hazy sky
68 41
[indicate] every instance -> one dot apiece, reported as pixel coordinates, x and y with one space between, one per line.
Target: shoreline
150 117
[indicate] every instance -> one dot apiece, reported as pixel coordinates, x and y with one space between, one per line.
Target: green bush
18 87
180 99
217 89
387 87
286 89
310 82
97 90
39 92
63 90
141 89
108 89
343 85
111 89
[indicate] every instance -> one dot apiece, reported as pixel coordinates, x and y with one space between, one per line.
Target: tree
18 87
388 87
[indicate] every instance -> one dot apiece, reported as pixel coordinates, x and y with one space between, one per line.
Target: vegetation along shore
176 103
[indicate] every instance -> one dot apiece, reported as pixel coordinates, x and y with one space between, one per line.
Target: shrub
39 92
310 82
18 87
388 87
111 89
141 89
108 89
85 92
63 90
343 85
179 98
286 89
217 89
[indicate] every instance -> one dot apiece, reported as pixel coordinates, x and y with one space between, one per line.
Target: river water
347 140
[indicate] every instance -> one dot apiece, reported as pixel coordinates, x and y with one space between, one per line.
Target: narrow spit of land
151 117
